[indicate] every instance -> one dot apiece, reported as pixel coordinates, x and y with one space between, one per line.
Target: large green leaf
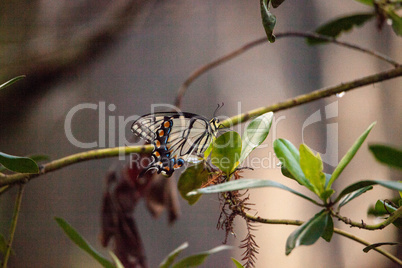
198 259
268 20
168 261
255 134
312 167
191 179
242 184
11 81
82 243
349 197
18 164
393 185
335 27
329 229
309 232
349 155
226 151
289 156
387 155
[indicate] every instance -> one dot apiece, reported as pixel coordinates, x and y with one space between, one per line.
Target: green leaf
268 20
82 243
349 197
198 259
366 2
349 155
329 229
289 156
393 185
276 3
192 178
396 22
312 167
388 155
255 134
168 261
335 27
376 245
309 232
18 164
237 263
116 260
11 81
247 184
226 151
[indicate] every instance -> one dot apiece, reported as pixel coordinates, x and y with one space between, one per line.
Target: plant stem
72 159
13 227
315 95
336 230
203 69
395 215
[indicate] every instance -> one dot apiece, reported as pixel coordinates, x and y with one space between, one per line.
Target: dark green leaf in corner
82 243
366 2
18 164
268 20
387 155
349 197
191 179
335 27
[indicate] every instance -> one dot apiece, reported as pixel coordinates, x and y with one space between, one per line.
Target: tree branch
336 230
203 69
72 159
395 215
315 95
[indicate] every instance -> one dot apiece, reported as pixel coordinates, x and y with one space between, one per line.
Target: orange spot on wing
166 124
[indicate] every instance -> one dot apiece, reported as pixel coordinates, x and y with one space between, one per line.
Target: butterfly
177 138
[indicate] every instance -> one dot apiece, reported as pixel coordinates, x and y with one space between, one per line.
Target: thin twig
314 95
395 215
17 208
203 69
336 230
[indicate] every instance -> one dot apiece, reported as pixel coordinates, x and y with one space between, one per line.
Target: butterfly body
177 138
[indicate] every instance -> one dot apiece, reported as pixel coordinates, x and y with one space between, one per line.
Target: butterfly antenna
217 108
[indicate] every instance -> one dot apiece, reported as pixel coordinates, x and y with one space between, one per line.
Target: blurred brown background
136 53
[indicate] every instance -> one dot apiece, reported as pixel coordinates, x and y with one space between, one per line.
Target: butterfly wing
177 137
